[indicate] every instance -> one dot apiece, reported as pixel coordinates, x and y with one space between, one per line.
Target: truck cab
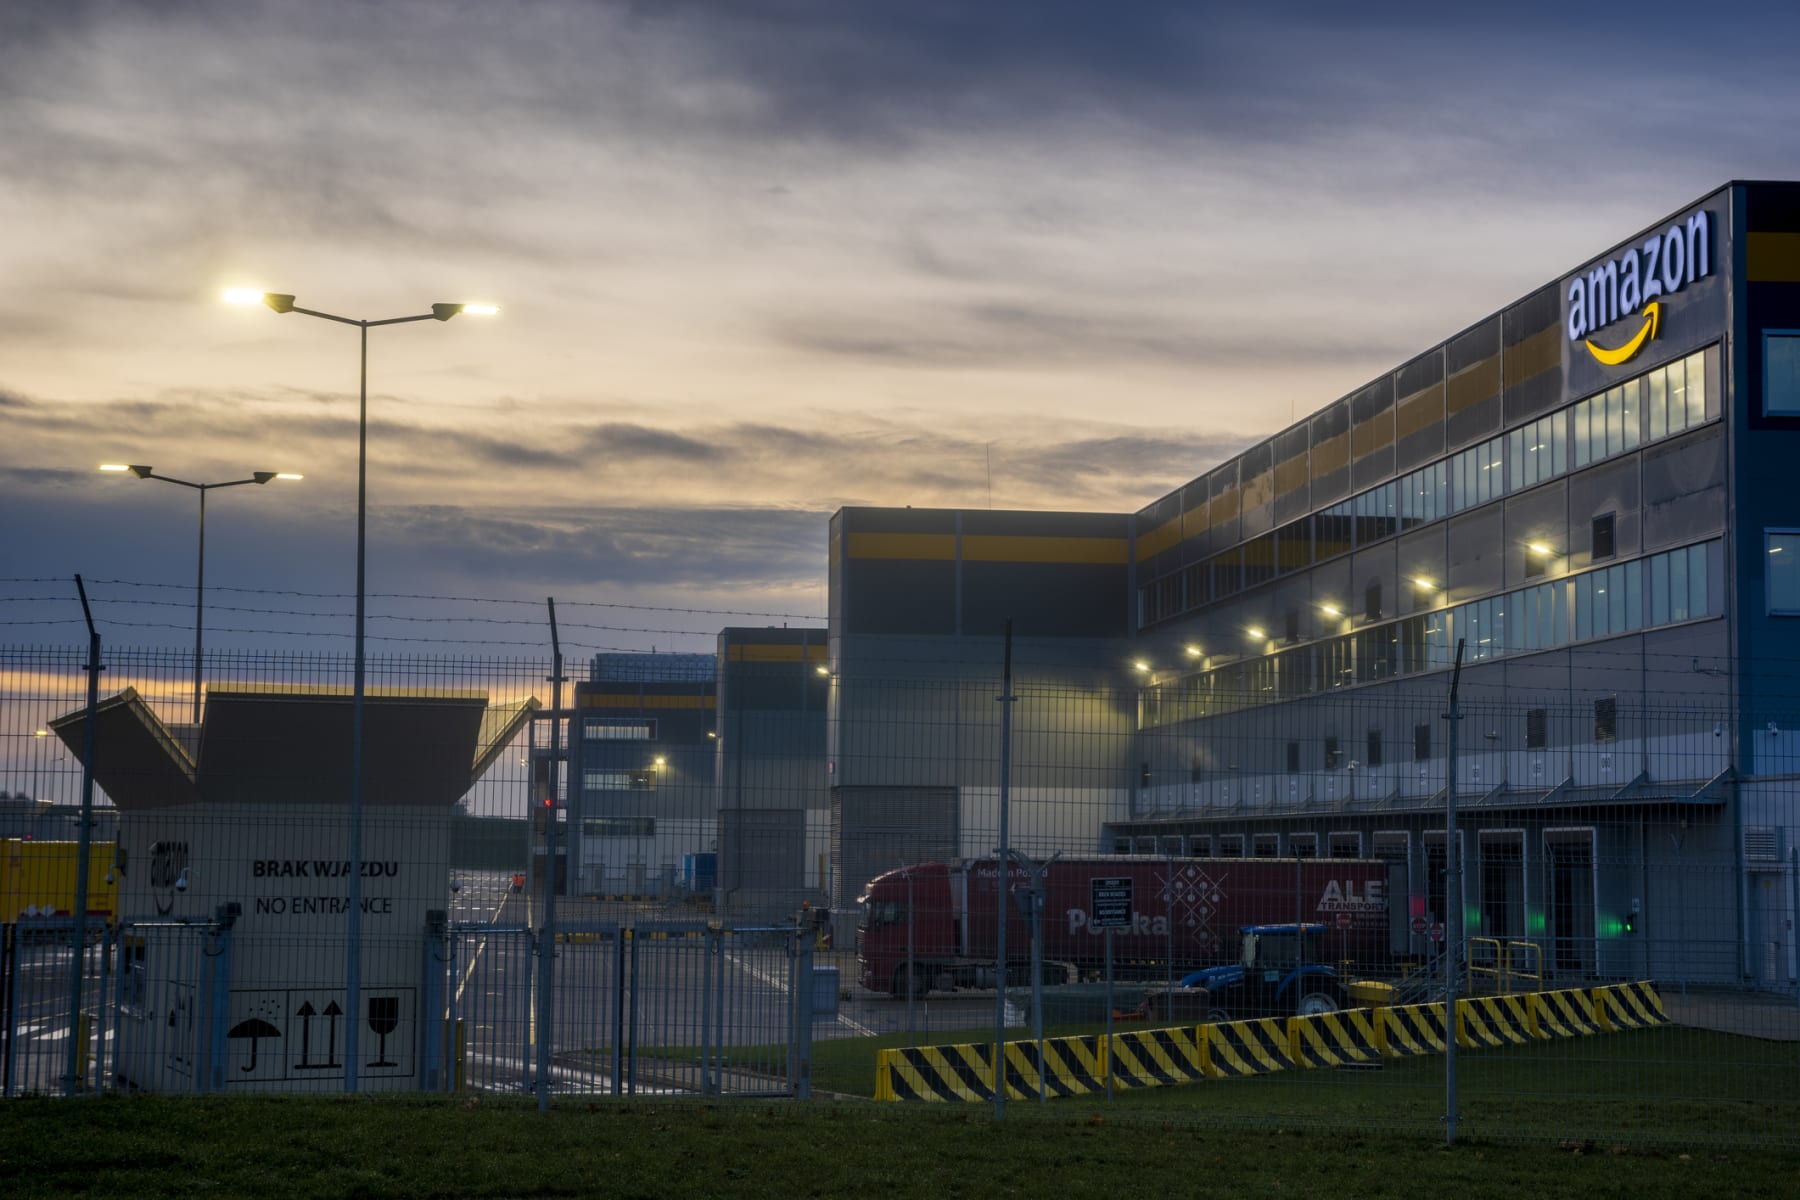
1277 974
906 932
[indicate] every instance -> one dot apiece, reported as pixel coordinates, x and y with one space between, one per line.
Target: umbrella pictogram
255 1029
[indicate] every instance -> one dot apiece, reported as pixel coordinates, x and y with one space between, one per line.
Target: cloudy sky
758 260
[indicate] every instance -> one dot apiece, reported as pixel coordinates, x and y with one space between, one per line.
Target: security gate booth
234 873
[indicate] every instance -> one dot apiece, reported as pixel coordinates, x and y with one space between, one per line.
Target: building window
1268 845
1421 743
1677 395
1293 624
1606 719
1535 729
1783 568
1231 845
1333 756
1535 563
1346 845
617 729
1373 756
1293 758
1603 536
1199 845
1303 845
1678 579
1537 452
1607 424
1781 373
1372 601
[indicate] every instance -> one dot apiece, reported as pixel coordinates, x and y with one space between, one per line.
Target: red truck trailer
934 925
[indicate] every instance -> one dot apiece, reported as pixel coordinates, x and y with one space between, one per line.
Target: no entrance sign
1110 902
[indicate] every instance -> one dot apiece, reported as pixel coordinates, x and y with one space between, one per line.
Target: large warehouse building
1585 490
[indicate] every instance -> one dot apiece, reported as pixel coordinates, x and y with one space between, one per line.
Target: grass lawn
413 1146
1667 1086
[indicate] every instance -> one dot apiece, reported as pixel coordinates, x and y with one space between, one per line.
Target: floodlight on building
1254 632
1194 652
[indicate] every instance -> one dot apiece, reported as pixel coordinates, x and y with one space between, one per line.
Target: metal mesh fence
1612 955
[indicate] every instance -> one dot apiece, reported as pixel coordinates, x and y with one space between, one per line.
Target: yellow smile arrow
1612 358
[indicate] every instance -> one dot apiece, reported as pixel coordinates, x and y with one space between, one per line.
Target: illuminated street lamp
257 477
281 302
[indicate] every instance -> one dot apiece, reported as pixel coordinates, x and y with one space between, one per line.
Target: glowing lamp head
444 312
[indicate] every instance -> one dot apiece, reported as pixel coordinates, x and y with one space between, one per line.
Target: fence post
9 974
78 939
801 1069
215 1000
706 1009
631 1045
431 1039
618 1008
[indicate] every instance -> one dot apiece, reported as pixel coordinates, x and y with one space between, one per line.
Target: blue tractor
1277 975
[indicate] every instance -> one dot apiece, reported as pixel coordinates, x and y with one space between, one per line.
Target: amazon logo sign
1626 289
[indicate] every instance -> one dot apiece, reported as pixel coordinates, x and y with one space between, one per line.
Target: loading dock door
1569 865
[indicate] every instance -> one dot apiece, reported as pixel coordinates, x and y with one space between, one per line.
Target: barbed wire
222 588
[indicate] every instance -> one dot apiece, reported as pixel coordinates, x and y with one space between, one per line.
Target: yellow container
1370 993
37 879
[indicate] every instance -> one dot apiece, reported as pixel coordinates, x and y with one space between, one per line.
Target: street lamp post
282 302
257 477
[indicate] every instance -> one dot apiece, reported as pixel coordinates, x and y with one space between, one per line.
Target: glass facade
1657 404
1601 603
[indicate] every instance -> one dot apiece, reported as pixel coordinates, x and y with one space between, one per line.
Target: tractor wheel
1313 1003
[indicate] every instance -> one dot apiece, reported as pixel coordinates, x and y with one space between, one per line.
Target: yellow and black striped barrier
1154 1057
1628 1006
1487 1021
1074 1066
1336 1039
935 1073
1565 1013
1237 1048
1414 1029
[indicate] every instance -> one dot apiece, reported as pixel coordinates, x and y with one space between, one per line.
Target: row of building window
1390 846
618 827
1662 589
618 729
619 781
1655 405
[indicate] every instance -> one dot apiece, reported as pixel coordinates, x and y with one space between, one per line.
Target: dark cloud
638 441
1017 335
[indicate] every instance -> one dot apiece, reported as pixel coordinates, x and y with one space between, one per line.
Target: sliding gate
654 1009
